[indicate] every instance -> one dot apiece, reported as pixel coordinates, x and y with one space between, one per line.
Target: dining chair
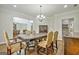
55 37
45 46
28 32
12 45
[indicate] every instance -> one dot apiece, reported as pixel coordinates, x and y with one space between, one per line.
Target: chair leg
37 49
20 47
25 51
20 52
39 40
8 51
52 50
47 51
52 47
56 46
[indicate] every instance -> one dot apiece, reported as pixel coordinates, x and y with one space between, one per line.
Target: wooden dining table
29 37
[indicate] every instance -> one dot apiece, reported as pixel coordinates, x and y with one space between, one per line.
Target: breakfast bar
71 44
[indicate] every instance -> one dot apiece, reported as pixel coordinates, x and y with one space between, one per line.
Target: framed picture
43 28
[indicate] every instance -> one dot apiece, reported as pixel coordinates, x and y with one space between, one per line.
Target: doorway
21 25
67 27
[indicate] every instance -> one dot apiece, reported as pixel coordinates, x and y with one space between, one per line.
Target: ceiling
34 9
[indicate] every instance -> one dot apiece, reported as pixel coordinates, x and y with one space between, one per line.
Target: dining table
31 37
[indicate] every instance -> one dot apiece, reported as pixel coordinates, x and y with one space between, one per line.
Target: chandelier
41 17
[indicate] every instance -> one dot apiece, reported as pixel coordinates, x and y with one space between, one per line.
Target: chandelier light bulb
44 17
38 16
14 6
65 6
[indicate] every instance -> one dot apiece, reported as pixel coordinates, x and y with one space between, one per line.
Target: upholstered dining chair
12 45
45 46
55 37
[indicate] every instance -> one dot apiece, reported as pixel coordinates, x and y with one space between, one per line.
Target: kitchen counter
71 44
75 35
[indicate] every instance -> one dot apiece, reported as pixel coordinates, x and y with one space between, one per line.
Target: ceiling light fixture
14 6
41 17
65 6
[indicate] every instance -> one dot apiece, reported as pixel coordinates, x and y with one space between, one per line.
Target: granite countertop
75 35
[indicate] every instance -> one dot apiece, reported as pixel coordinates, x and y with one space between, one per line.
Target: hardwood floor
71 46
33 52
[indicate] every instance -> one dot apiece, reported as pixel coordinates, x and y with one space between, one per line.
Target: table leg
28 46
25 49
36 45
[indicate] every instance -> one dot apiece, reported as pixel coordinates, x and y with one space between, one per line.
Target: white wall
36 24
49 21
65 15
6 21
55 22
5 25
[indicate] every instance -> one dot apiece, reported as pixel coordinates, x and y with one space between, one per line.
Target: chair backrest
6 38
49 38
55 36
